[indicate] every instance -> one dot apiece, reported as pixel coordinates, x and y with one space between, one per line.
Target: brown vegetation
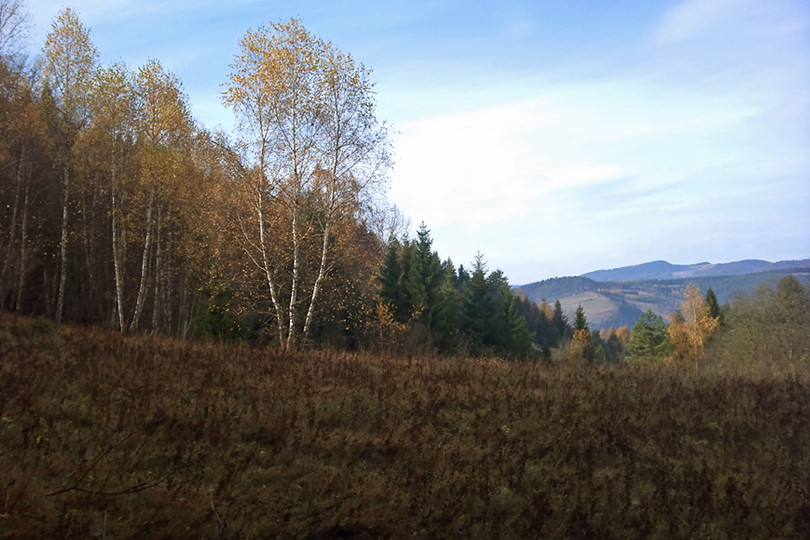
130 436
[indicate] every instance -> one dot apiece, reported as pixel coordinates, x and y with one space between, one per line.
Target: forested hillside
619 303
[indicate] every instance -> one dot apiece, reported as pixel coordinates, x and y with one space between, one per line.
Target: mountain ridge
620 302
665 270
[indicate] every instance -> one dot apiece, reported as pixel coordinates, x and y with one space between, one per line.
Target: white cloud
728 21
500 162
691 17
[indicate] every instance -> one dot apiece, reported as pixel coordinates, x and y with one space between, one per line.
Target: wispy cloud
512 155
692 17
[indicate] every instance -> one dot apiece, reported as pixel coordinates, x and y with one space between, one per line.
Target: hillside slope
620 303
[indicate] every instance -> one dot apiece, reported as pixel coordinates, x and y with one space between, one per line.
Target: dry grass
131 436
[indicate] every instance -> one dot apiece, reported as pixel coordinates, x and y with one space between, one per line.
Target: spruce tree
560 321
580 322
478 307
390 275
462 278
447 311
518 339
582 339
425 277
539 324
406 256
649 339
714 305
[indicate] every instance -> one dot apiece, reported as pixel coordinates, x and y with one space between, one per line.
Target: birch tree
355 148
164 126
315 149
111 144
67 65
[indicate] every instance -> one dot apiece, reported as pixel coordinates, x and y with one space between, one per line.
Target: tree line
440 309
428 305
118 208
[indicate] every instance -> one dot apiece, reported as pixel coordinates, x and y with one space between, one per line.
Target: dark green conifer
560 321
447 311
714 305
649 339
580 322
518 339
425 277
477 307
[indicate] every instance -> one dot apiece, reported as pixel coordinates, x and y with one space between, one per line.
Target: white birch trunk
147 247
157 295
116 246
63 245
268 274
294 280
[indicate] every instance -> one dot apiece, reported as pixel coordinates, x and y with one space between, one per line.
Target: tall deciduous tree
316 151
769 327
355 153
111 144
164 128
67 66
24 160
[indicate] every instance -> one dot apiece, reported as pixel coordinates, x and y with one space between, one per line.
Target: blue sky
555 136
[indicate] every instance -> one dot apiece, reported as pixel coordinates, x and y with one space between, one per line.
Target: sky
555 137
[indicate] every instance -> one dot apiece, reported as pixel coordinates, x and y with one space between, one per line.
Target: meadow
111 435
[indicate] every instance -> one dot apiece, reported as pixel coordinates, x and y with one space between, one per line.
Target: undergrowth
135 436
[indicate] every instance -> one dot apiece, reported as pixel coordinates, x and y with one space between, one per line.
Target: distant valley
618 296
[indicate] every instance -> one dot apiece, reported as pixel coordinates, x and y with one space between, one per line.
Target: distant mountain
618 297
665 270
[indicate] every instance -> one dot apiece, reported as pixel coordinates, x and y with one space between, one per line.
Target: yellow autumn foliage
691 328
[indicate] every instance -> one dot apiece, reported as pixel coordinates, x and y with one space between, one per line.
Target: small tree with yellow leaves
582 346
387 334
691 327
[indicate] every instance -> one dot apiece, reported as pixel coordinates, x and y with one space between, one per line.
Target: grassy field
597 306
104 435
